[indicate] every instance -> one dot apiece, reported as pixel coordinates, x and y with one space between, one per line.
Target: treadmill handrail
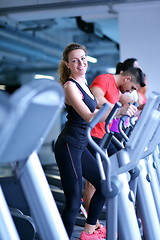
142 133
105 175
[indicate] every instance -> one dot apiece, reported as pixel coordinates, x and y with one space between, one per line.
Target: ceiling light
39 76
91 59
2 87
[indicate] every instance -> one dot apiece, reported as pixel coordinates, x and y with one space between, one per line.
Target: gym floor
77 232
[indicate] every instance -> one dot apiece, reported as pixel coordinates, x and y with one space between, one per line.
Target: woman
129 62
72 142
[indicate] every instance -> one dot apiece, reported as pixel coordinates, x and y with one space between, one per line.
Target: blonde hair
63 70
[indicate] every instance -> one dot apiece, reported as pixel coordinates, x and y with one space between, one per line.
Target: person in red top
107 83
109 88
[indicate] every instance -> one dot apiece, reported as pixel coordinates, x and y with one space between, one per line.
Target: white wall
140 38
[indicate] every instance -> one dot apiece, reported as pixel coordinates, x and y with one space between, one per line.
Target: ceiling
33 34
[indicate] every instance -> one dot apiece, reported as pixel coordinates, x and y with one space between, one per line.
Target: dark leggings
73 163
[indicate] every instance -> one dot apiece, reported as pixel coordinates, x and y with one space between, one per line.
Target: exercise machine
120 199
28 115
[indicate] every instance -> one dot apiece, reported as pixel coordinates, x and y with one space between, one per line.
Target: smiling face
77 63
